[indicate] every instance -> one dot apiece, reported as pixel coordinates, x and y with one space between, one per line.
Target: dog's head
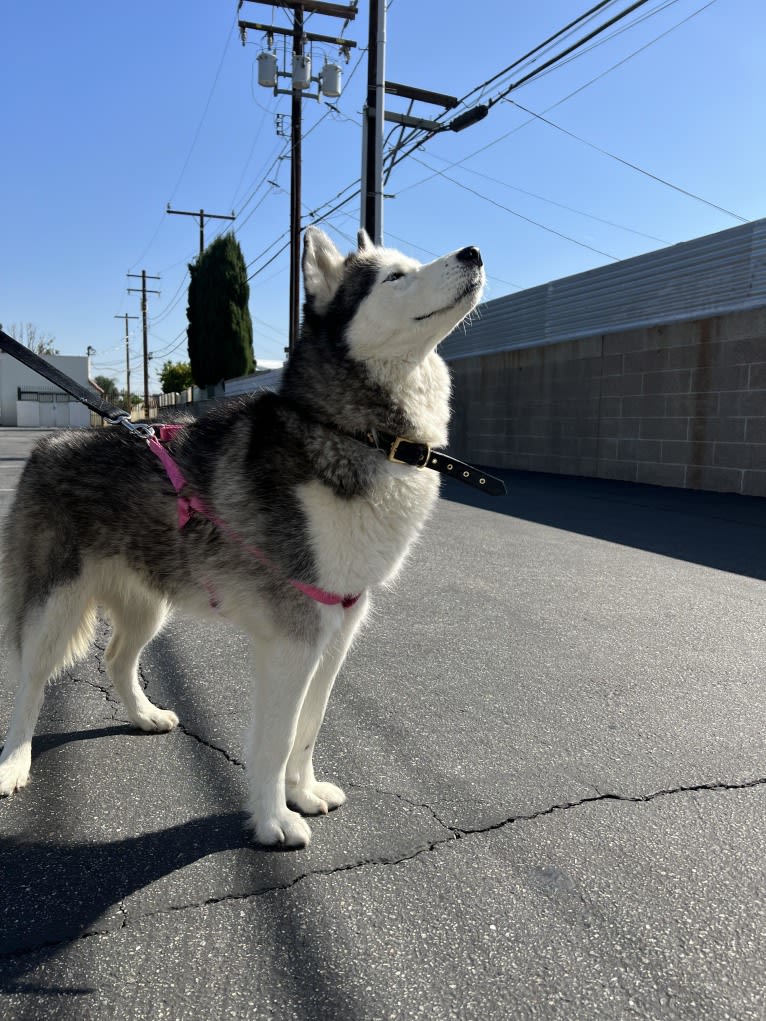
385 304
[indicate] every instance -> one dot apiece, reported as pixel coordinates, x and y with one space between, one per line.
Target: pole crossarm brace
348 13
201 212
413 122
142 290
310 37
201 215
421 95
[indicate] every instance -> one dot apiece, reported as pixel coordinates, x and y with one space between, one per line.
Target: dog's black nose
470 254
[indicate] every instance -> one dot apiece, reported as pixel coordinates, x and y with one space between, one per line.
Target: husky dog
276 511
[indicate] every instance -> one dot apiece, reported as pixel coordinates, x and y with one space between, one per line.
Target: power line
560 57
521 216
598 77
263 179
425 251
161 316
191 147
564 99
627 163
315 218
534 195
168 351
269 262
259 203
525 79
635 53
536 49
621 30
565 53
204 111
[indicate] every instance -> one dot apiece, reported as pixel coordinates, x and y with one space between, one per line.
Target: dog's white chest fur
363 541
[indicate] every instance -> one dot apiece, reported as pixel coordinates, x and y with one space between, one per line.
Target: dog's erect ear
322 267
363 240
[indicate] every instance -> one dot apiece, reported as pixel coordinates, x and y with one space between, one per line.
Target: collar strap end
400 450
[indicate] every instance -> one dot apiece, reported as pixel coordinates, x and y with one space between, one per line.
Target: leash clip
137 428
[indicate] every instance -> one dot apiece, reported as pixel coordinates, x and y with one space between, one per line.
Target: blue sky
110 111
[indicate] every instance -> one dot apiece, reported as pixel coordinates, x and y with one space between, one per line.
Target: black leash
397 449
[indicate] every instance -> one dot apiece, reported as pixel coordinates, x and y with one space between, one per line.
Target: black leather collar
400 450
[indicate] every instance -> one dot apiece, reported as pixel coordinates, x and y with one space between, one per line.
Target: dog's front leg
304 792
282 670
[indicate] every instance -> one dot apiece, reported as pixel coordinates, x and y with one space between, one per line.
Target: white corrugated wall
712 275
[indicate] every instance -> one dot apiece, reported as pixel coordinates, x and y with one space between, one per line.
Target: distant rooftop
712 275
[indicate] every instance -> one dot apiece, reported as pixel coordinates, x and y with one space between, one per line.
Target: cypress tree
220 331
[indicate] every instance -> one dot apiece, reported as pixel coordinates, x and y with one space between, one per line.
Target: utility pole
143 292
296 119
372 124
301 77
201 214
374 115
125 316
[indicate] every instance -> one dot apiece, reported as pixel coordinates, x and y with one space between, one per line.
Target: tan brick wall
676 405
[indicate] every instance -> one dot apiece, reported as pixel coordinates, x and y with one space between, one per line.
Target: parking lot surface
552 737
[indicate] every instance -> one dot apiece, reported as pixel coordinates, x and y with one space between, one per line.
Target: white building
29 400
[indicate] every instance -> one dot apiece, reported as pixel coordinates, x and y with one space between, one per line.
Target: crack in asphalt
110 699
635 799
455 833
209 744
413 804
122 718
184 729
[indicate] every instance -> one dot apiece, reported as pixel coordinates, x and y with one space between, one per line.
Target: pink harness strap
187 505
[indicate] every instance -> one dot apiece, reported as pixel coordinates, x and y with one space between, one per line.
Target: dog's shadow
54 892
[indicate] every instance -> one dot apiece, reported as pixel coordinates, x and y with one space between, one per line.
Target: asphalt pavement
552 737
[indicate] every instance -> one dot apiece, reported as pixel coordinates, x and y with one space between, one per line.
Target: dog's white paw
14 774
316 798
154 720
281 829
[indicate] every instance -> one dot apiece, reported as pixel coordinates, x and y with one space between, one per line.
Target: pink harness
188 505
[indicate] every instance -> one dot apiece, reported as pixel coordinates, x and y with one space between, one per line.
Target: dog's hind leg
304 792
53 636
136 619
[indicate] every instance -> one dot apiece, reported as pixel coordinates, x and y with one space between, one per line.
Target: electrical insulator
267 69
331 80
470 116
301 70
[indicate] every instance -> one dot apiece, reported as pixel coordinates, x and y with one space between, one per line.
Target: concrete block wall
682 404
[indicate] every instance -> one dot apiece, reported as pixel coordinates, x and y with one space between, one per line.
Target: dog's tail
32 582
65 615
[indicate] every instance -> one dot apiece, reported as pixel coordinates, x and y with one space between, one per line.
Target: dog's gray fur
94 520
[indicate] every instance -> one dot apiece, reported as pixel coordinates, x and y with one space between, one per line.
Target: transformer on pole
328 83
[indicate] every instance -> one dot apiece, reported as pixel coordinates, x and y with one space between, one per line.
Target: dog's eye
393 276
